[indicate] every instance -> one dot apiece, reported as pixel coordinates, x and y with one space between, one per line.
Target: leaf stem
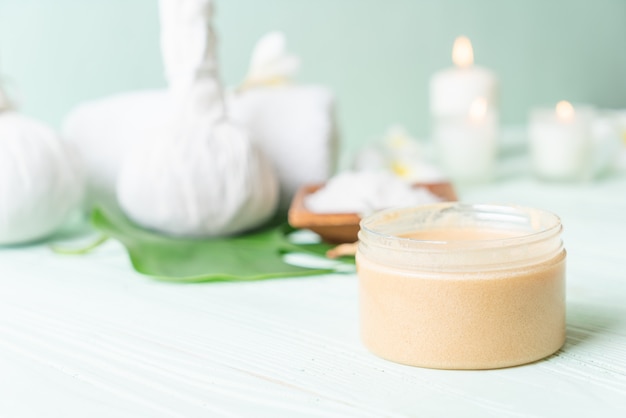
80 251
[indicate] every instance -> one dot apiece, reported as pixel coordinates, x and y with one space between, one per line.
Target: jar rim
368 225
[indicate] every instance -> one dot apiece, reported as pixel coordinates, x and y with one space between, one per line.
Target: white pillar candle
467 144
453 90
463 104
560 142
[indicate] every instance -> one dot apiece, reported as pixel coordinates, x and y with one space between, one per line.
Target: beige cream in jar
457 286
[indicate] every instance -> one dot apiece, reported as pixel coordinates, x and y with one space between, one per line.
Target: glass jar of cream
458 286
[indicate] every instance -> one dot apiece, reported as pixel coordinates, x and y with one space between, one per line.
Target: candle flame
564 111
462 52
478 109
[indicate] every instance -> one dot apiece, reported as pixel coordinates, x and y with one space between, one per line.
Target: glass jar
458 286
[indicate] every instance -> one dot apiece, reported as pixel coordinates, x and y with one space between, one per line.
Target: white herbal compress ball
39 182
198 179
200 175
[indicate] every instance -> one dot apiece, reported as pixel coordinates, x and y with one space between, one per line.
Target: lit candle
467 144
463 103
560 142
453 90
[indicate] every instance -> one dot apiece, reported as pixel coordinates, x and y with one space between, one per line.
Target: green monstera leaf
254 256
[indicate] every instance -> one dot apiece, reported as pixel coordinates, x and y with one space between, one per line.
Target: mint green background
377 55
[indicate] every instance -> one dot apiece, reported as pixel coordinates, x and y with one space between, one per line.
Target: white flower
271 63
401 154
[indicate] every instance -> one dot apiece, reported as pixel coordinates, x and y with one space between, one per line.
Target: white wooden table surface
88 337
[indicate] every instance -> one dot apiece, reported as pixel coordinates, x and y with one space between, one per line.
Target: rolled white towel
295 127
104 131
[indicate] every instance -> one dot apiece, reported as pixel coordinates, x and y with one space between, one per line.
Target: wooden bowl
338 228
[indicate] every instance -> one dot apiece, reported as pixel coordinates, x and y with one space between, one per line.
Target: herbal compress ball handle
188 46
